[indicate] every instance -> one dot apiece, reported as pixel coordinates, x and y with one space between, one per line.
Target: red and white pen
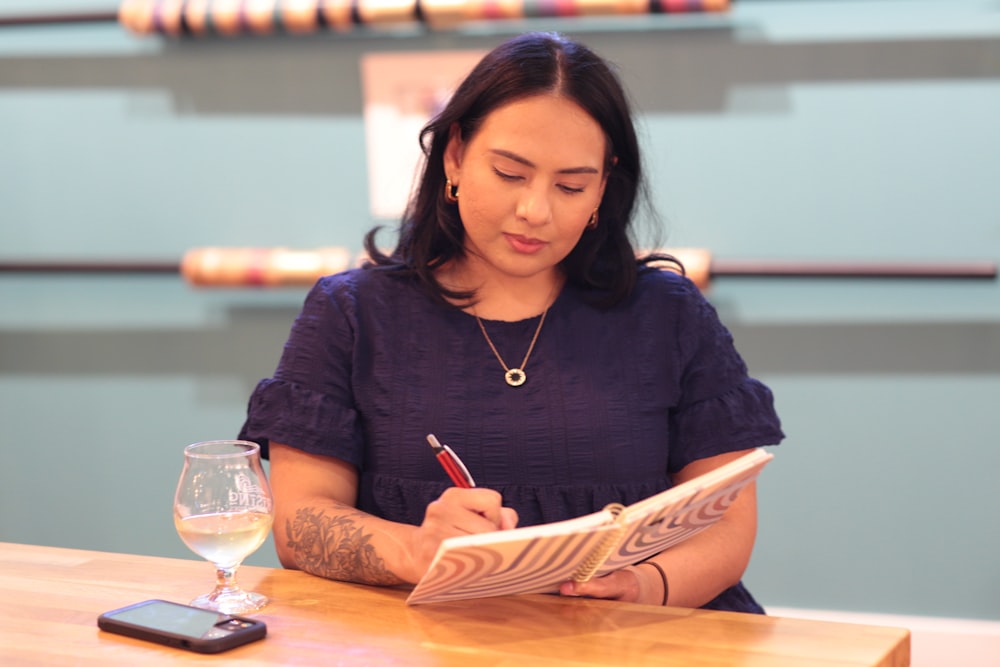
451 463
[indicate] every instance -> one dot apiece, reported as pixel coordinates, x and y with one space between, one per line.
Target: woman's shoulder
354 291
361 283
673 300
657 293
658 283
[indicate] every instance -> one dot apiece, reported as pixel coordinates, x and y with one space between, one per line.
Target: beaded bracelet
663 577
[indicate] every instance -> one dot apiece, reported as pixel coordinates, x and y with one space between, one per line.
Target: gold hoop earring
592 223
450 192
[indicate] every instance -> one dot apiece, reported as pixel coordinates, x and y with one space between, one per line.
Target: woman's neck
506 298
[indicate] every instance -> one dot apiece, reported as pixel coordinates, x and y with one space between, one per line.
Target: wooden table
50 599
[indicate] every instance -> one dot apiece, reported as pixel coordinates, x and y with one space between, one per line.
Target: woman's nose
534 207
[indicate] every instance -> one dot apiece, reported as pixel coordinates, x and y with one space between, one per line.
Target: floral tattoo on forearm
336 547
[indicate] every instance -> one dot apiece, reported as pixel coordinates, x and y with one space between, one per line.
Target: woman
514 321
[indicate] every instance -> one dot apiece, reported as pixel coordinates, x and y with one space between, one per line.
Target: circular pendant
515 377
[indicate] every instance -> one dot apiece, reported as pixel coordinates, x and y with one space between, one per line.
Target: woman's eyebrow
528 163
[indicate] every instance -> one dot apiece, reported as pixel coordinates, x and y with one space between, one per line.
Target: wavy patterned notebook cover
538 558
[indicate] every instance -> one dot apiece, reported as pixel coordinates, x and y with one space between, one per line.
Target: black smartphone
182 626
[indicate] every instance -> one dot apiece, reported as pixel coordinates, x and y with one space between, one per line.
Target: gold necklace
515 377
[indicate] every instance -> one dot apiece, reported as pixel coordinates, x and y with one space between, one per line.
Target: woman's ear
453 152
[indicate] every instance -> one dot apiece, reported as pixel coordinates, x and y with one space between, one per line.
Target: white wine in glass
223 512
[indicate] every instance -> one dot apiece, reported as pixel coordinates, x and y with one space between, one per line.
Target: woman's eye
505 176
568 189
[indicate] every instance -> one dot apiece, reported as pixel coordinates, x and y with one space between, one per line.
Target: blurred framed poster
401 92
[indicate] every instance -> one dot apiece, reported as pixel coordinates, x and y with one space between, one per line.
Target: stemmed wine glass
223 512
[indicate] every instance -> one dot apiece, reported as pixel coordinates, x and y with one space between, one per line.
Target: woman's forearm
338 541
703 566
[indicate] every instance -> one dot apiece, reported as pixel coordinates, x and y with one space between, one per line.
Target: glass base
231 601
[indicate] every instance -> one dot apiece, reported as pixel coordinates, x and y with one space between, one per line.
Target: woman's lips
524 244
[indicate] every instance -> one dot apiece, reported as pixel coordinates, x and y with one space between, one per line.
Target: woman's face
528 182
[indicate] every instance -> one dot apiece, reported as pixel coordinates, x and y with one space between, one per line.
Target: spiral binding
603 549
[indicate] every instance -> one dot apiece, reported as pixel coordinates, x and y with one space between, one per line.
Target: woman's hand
699 568
318 528
630 584
458 512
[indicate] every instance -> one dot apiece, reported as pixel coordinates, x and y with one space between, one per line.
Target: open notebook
537 559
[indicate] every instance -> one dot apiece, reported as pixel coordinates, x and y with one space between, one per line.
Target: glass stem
225 579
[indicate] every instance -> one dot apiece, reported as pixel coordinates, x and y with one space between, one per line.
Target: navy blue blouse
615 400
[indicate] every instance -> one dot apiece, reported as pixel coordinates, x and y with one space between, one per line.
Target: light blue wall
798 130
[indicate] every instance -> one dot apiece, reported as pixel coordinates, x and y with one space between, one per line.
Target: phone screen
180 619
182 625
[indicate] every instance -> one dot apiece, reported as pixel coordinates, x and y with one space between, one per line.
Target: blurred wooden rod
283 267
234 17
111 266
853 269
55 18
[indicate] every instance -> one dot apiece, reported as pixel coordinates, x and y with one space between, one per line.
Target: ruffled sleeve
308 402
722 408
